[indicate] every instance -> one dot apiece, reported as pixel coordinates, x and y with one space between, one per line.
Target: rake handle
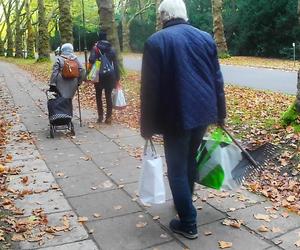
245 152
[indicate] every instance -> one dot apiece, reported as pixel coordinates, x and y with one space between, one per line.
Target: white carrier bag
151 183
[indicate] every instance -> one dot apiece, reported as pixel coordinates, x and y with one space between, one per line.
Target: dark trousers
107 87
180 151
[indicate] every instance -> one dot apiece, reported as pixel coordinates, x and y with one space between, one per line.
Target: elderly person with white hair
182 93
65 87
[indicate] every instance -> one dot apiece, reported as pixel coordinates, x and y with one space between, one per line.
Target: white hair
171 9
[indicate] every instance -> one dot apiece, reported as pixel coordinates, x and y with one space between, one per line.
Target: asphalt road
257 78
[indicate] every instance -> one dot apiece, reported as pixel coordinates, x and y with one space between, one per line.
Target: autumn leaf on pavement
297 243
82 219
141 224
262 217
225 244
263 229
25 180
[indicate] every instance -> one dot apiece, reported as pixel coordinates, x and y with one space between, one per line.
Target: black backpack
107 68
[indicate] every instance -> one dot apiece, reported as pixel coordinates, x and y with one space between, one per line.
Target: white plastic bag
151 183
118 98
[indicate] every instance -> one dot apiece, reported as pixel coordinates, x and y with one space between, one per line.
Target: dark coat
105 48
182 85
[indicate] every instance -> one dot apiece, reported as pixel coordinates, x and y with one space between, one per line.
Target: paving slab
99 148
36 181
50 202
122 232
131 142
240 238
124 162
167 212
29 166
173 245
46 144
63 155
106 204
117 131
82 245
71 169
77 185
284 224
227 201
289 240
77 232
109 159
124 174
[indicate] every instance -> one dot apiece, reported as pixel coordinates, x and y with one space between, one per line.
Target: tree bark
30 33
107 24
19 32
43 35
65 21
298 94
7 9
158 21
298 11
219 27
125 27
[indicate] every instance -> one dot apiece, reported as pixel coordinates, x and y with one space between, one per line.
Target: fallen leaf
276 230
141 224
18 237
156 217
207 233
225 244
118 207
60 174
96 215
163 236
25 179
263 229
82 219
262 217
297 243
285 214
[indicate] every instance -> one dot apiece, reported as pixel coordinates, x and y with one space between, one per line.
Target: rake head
262 155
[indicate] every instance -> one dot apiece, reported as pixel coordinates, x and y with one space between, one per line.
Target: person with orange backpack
67 74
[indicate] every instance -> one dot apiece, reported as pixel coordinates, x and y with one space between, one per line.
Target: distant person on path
182 92
66 87
107 81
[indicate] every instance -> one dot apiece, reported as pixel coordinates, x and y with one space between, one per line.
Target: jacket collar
173 22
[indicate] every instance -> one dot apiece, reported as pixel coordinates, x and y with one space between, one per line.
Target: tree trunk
65 21
1 47
158 21
19 32
107 24
219 27
43 35
125 27
298 94
30 33
298 12
10 40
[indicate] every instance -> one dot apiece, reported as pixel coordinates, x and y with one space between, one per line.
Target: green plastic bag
216 158
94 73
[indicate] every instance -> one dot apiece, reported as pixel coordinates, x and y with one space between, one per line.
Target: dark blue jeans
180 151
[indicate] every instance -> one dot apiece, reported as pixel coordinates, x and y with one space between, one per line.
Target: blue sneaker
190 232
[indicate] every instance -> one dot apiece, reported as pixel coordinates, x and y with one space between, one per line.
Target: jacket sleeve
55 72
219 82
93 56
151 70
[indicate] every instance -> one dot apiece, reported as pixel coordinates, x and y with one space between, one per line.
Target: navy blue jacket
182 85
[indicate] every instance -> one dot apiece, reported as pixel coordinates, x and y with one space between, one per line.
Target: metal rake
253 161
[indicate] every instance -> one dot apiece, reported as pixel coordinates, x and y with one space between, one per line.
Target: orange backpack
70 69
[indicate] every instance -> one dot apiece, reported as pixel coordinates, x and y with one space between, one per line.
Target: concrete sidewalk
99 180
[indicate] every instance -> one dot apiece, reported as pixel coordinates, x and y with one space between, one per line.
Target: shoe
108 120
100 120
190 232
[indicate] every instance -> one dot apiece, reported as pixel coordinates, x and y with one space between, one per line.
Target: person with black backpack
109 74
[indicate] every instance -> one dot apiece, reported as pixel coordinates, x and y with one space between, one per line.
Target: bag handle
149 141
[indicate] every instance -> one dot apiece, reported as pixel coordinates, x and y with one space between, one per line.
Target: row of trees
29 24
244 27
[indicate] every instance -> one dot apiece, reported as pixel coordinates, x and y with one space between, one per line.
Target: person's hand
52 88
